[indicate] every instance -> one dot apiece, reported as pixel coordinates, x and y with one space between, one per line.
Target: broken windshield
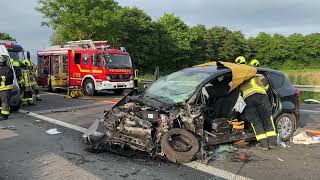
117 61
177 87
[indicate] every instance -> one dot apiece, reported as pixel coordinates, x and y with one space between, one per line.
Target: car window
276 80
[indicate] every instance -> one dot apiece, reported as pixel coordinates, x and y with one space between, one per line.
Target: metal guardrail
307 88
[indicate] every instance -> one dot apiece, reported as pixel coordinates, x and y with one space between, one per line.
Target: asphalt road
28 152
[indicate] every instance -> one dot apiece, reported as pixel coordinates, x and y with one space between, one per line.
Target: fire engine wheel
88 87
179 145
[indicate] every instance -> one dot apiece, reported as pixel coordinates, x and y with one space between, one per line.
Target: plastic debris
223 151
311 101
53 131
302 137
280 143
280 159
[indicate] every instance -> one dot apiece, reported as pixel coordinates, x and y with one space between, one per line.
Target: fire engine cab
91 65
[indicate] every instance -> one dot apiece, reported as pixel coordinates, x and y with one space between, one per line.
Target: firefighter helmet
255 63
240 60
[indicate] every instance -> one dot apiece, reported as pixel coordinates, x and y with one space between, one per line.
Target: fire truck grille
120 77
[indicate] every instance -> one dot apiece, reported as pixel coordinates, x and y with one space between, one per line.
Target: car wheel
88 87
179 145
286 126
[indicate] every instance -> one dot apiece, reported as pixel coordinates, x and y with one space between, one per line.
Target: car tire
286 125
89 87
174 155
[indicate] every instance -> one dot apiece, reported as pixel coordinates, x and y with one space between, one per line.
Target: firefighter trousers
259 113
4 97
27 95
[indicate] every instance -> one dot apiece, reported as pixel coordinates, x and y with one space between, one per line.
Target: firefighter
240 60
34 82
6 76
259 111
254 63
26 85
17 70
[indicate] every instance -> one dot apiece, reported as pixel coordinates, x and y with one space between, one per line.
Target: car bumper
107 85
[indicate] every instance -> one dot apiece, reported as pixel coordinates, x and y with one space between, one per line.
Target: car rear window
276 80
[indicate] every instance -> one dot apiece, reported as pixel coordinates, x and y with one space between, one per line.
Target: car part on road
179 145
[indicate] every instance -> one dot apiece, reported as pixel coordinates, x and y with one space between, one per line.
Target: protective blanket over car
240 72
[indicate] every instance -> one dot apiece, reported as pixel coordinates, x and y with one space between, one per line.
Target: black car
180 115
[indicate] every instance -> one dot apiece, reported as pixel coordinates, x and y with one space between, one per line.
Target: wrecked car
182 114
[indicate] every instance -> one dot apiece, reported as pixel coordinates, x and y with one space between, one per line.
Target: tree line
170 43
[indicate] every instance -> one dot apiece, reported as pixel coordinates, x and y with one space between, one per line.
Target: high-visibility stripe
261 136
89 70
272 122
271 133
254 130
4 88
4 112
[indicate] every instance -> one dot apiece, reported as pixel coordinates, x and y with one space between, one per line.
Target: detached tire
89 87
177 154
285 125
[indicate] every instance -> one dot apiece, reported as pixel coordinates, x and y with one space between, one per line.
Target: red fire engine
92 65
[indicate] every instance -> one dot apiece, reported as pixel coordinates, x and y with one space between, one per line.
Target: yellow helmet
255 63
15 64
240 60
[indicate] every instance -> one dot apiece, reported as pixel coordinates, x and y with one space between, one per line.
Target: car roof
269 70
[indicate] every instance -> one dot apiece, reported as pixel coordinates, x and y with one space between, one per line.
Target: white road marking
215 171
4 134
195 165
54 121
309 111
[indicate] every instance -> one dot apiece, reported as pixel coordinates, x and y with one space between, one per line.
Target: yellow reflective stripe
261 136
4 112
3 88
271 133
254 130
272 122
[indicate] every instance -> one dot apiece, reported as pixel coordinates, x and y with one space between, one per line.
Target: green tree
77 19
5 36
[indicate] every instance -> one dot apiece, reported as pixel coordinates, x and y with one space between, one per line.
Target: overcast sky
18 17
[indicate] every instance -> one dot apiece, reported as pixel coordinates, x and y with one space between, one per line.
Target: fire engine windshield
117 61
17 55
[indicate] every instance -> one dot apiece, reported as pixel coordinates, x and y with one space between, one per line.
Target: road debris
302 137
311 101
223 151
8 128
280 159
53 131
280 143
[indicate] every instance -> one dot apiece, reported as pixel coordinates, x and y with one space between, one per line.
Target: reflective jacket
26 79
258 84
6 78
